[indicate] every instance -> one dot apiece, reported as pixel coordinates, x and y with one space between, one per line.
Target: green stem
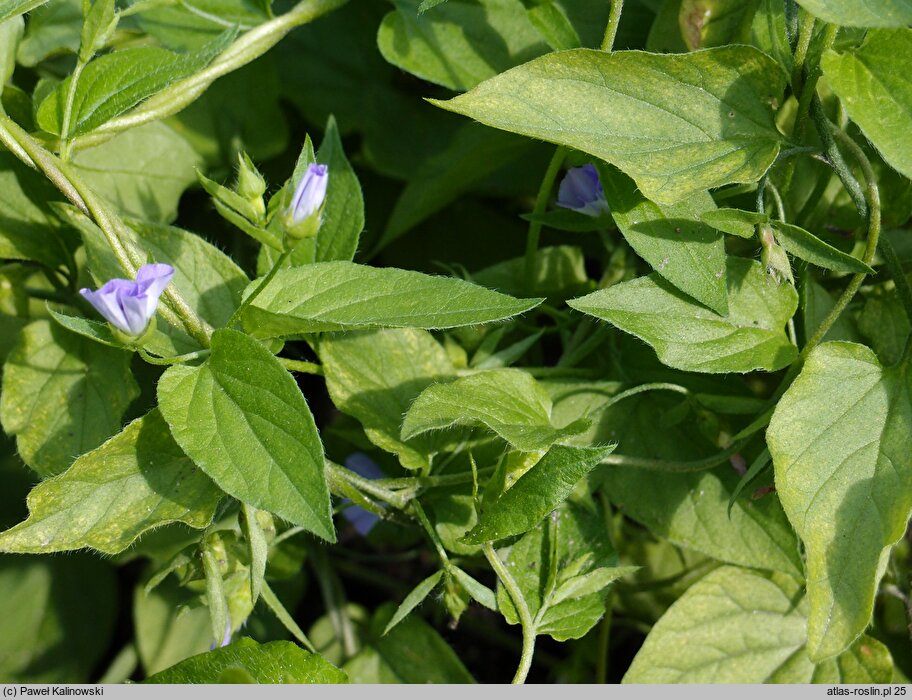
535 227
178 359
872 209
334 598
68 111
658 386
372 488
431 533
661 465
246 48
805 34
604 639
176 311
301 366
826 131
276 266
614 19
522 610
430 482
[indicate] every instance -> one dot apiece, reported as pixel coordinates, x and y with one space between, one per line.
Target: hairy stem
276 266
614 19
535 227
522 610
248 47
871 207
68 111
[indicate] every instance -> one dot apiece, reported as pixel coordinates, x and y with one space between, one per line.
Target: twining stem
535 226
276 266
661 465
176 309
68 111
301 366
894 264
614 19
522 610
872 208
246 48
805 34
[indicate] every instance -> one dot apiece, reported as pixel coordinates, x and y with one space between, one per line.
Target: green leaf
553 24
218 125
736 222
10 34
472 154
459 45
839 441
52 29
274 662
742 626
136 481
412 652
257 547
478 591
143 171
707 23
768 32
375 376
169 628
884 323
691 510
58 617
671 238
805 245
507 401
96 330
413 600
587 584
870 13
536 493
343 212
99 24
13 8
243 420
62 395
581 547
676 124
216 601
118 81
27 230
332 296
687 336
870 82
560 272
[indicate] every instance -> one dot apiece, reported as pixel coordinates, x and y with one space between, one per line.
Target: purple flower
362 520
129 305
581 191
310 193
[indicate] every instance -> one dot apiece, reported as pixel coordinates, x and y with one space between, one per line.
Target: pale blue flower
129 305
310 193
581 191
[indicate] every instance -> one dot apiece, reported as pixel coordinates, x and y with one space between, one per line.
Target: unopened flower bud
251 185
304 215
774 259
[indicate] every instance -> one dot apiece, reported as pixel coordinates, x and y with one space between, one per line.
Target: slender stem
614 19
178 359
872 209
431 533
805 34
777 200
541 202
397 500
658 386
334 598
246 48
661 465
177 311
604 639
301 366
276 266
429 482
826 131
522 610
68 111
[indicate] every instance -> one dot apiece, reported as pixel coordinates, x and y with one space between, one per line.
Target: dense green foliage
568 336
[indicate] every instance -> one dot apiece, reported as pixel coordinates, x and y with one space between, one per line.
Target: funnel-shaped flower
581 191
129 305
